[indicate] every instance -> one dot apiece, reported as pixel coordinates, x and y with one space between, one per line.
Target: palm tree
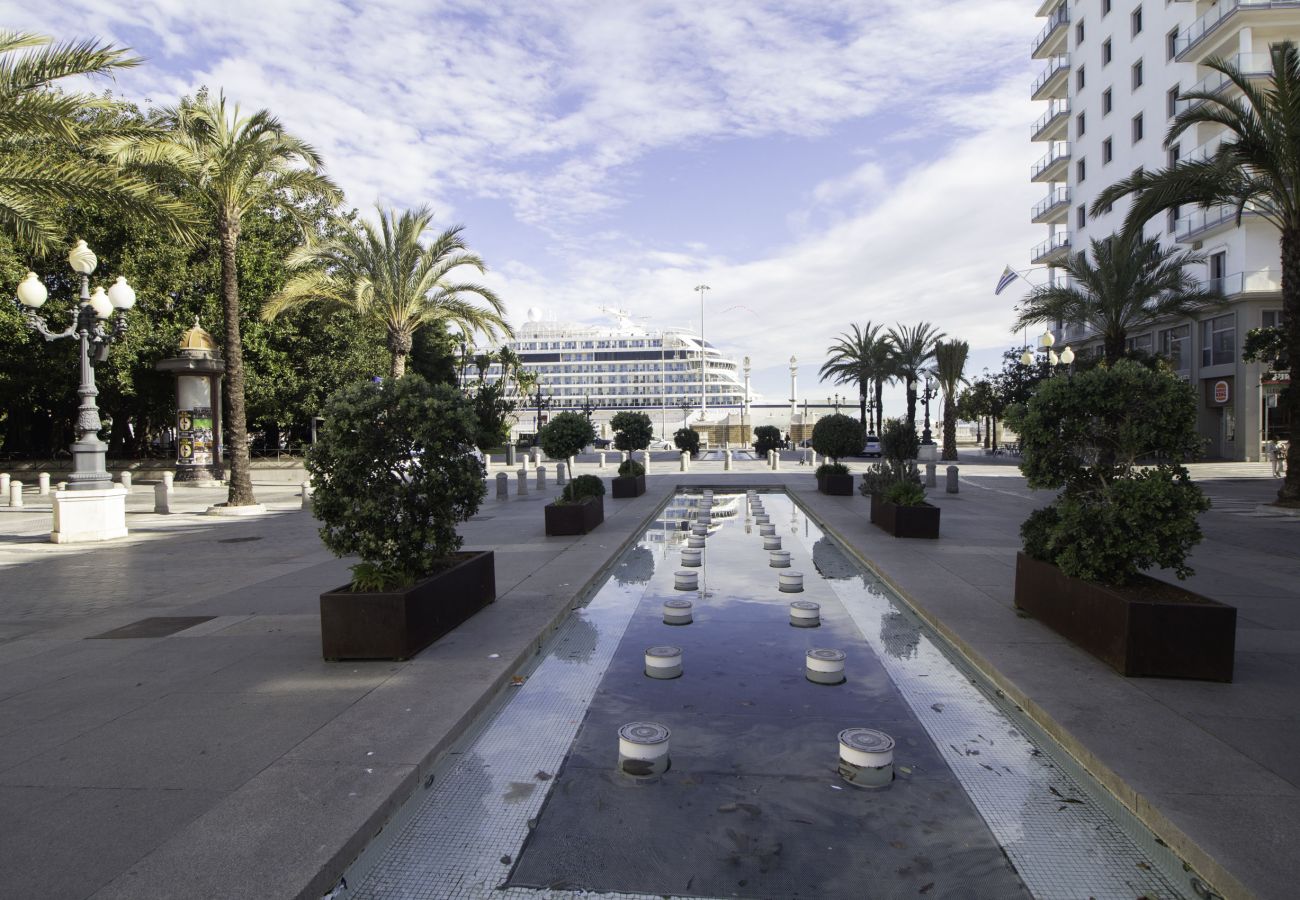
913 348
37 114
387 275
949 365
233 164
859 357
1257 168
1129 282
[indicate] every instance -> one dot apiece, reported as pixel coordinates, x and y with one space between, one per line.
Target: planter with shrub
579 509
687 440
901 510
393 474
1082 569
630 481
835 437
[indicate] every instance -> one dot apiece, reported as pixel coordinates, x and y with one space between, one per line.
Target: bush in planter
1084 436
393 474
581 488
767 437
831 469
899 441
905 493
687 440
837 436
632 431
630 468
881 476
565 435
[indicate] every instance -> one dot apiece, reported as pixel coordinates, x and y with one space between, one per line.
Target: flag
1008 276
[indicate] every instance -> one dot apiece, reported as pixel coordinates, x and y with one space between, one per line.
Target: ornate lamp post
686 409
926 396
92 509
538 402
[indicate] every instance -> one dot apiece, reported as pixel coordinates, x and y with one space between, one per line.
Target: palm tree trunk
1290 491
1114 347
241 480
880 411
911 404
399 346
863 387
949 430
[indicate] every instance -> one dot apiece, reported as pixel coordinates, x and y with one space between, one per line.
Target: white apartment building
1113 74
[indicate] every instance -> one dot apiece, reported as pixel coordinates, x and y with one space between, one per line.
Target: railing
1058 197
1260 281
1054 109
1199 220
1057 19
1060 150
1055 66
1252 65
1207 24
1209 148
1057 242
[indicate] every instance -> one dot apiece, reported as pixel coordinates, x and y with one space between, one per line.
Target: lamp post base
85 516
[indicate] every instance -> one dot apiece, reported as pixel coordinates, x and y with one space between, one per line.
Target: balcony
1053 165
1193 44
1051 125
1053 81
1252 65
1052 208
1052 251
1200 222
1238 284
1051 40
1047 6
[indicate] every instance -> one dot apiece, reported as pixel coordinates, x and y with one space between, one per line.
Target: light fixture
82 259
100 303
1047 339
1067 356
1052 358
31 293
121 294
1027 358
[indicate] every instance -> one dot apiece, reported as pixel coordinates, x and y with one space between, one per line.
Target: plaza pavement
228 760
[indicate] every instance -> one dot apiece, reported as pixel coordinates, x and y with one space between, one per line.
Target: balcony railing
1058 19
1055 246
1059 152
1046 207
1252 65
1055 110
1209 148
1057 66
1260 281
1209 23
1202 220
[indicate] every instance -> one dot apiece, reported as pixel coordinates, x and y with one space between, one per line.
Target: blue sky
816 163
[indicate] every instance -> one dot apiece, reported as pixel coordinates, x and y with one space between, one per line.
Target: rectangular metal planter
905 521
627 486
574 518
1157 637
835 485
399 624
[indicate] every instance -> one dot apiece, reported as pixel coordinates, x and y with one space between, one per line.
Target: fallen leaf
517 680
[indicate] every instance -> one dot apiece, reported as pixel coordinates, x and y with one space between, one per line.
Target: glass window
1272 318
1079 79
1081 216
1080 125
1081 170
1175 346
1105 102
1105 7
1137 128
1078 33
1218 341
1105 52
1171 44
1136 20
1107 151
1141 343
1171 102
1137 74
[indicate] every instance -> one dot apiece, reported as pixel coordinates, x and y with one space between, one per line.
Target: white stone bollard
4 484
304 491
559 474
168 478
813 461
487 461
125 479
645 460
162 498
685 462
522 479
537 455
541 478
15 494
952 480
503 485
726 460
528 464
43 484
776 461
602 459
61 486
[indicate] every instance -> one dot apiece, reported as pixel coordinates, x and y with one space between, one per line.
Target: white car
657 444
872 446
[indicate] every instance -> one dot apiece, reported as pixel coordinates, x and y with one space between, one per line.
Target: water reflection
637 567
899 634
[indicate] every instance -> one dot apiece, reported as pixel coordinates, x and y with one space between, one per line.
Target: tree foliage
632 430
913 347
687 440
949 369
565 435
837 436
862 357
767 437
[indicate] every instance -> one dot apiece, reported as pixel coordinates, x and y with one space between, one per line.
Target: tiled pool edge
1178 841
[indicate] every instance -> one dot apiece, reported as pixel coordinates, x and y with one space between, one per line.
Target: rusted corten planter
574 518
835 485
627 486
1169 632
905 521
399 624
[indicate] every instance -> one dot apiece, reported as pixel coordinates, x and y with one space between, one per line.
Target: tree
37 113
860 357
1257 169
913 347
632 430
388 275
837 436
231 164
767 437
949 364
1129 282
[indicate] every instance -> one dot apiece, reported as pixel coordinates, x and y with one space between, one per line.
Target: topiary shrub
582 487
630 468
905 493
881 476
838 436
1085 437
767 437
393 474
831 469
565 435
899 441
687 440
632 430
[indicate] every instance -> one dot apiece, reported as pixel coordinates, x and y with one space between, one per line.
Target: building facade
1113 79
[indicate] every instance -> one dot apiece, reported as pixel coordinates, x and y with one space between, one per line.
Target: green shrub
581 488
687 440
767 437
393 475
1085 436
831 469
905 493
899 441
565 435
881 476
630 468
838 436
632 430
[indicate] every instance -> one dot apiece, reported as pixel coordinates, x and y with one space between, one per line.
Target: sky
817 164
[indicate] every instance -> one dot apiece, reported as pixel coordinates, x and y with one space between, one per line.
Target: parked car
661 445
872 446
601 443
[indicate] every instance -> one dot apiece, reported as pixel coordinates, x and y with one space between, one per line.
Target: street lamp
927 396
538 402
744 413
686 409
704 387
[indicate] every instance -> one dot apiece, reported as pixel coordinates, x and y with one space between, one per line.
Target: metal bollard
929 475
685 462
125 479
541 478
15 495
510 455
503 485
776 461
559 474
43 484
952 480
305 487
162 498
522 478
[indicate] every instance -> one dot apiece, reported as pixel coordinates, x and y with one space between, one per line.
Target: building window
1080 125
1142 343
1171 102
1137 128
1107 151
1136 20
1081 216
1171 44
1137 74
1272 318
1106 102
1171 221
1174 346
1081 170
1078 33
1218 341
1218 270
1079 79
1105 7
1105 52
